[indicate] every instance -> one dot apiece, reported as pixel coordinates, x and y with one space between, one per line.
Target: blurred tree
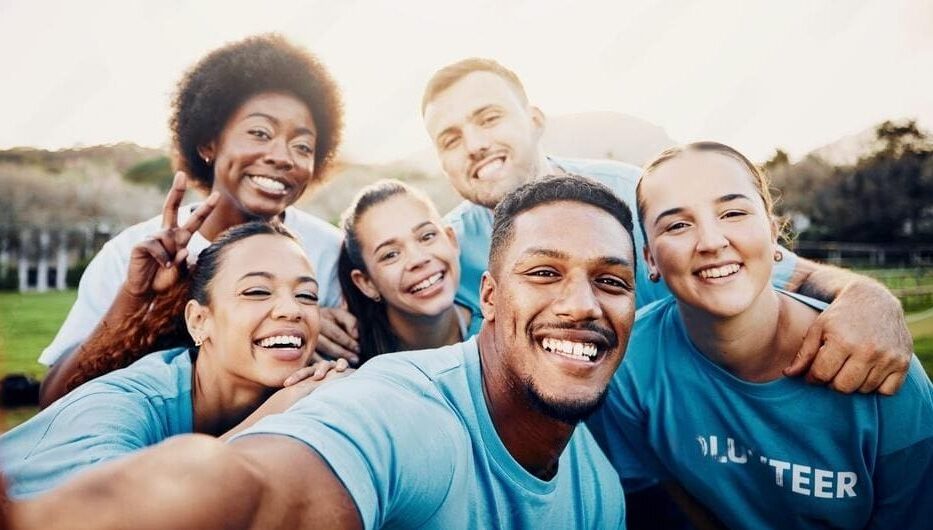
153 172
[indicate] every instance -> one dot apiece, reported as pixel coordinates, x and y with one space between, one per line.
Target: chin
567 409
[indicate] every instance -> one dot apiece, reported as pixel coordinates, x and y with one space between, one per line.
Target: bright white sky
757 75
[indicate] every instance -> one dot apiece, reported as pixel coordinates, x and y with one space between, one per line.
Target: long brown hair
161 324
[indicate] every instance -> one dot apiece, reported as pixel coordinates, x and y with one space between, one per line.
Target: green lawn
28 323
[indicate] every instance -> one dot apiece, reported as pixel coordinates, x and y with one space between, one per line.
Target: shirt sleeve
903 477
392 448
783 270
79 434
96 290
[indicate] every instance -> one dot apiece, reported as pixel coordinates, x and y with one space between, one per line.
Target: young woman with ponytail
399 270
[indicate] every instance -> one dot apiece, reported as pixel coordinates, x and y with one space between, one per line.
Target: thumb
806 354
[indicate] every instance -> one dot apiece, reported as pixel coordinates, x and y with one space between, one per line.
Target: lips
718 271
270 184
284 344
488 167
588 343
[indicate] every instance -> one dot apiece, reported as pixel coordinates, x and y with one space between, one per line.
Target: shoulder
466 215
612 173
421 369
907 416
311 228
164 375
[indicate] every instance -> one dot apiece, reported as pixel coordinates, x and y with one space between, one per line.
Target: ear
487 297
452 236
208 150
364 284
198 320
538 120
649 261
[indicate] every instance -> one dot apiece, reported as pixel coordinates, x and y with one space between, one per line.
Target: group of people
505 378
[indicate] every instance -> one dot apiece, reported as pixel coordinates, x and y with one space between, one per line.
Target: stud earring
778 255
377 298
198 341
655 277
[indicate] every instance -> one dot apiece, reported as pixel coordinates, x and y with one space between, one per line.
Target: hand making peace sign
156 263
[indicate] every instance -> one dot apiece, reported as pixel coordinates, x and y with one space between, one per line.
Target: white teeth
578 350
488 169
267 183
281 340
719 272
422 285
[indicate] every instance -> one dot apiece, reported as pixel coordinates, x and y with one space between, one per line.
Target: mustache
610 339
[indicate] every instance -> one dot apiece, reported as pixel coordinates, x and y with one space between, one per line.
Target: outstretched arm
198 482
861 341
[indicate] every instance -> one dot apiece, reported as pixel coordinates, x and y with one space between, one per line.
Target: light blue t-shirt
781 454
473 226
412 440
106 418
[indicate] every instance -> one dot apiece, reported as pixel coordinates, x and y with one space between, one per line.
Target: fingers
811 345
875 377
154 247
828 362
316 371
851 376
173 201
197 219
345 320
892 383
331 350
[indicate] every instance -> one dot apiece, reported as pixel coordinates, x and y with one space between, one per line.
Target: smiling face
411 259
710 235
562 304
264 157
485 136
262 321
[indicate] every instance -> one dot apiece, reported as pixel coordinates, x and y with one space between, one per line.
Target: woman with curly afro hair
255 123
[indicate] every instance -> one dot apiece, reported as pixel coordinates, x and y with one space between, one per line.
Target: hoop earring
655 277
377 298
778 255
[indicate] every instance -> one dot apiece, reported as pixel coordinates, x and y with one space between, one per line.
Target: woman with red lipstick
251 320
701 399
256 123
399 269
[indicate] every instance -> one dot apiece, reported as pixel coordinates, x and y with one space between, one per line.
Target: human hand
339 335
860 342
317 371
156 262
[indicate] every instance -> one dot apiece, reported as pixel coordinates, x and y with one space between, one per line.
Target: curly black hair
217 85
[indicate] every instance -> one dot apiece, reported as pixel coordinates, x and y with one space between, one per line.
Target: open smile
270 185
284 346
580 345
717 272
488 167
426 287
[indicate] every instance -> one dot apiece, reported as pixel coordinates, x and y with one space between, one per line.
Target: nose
476 141
417 258
710 237
577 301
287 308
278 154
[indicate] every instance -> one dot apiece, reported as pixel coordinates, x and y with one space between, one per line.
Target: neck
421 332
534 440
221 401
754 345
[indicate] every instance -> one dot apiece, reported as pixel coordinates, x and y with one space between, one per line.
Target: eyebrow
393 240
473 115
558 254
725 198
299 130
270 276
